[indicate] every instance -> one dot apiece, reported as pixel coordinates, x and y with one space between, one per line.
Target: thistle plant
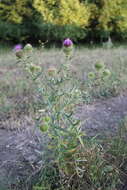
60 95
73 158
97 83
101 73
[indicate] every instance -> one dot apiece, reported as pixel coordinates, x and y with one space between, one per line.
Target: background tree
54 20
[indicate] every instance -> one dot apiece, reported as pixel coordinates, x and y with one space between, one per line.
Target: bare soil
103 117
21 156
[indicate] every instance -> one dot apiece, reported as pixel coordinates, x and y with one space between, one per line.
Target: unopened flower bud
19 54
34 68
47 119
91 75
18 51
106 73
99 66
44 127
28 47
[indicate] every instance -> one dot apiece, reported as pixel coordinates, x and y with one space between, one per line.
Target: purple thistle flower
18 47
67 42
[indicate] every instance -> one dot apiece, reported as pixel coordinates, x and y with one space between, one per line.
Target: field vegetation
64 97
43 87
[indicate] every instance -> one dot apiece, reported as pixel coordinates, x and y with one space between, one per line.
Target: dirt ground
21 156
21 152
103 117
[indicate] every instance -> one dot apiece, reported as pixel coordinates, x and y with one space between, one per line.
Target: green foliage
113 15
55 20
52 32
9 32
63 12
15 11
62 19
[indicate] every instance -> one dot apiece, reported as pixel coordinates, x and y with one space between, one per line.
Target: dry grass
16 93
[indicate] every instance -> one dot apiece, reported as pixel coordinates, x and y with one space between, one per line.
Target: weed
78 163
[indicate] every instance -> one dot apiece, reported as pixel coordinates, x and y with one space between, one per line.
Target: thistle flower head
106 73
44 127
67 42
99 66
34 68
47 119
18 47
91 75
19 53
67 47
28 47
